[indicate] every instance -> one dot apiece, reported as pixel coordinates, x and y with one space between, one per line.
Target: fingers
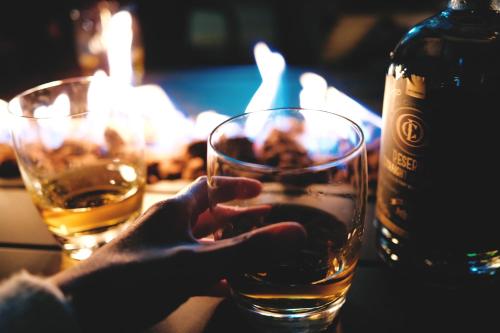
220 289
172 219
195 196
251 251
224 189
211 221
221 189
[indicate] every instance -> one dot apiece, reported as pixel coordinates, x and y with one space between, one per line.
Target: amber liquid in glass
318 275
90 199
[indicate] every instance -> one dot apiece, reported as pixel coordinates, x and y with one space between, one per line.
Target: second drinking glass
80 148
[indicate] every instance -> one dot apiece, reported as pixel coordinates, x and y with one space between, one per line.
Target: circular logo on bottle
410 129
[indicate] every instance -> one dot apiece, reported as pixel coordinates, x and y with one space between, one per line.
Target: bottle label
403 170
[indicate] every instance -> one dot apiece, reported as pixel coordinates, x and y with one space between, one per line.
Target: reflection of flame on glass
271 66
59 109
107 37
53 120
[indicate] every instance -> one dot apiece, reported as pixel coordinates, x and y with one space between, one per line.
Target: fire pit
178 124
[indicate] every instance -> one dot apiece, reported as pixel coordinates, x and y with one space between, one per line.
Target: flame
101 95
348 107
312 95
206 122
316 94
113 93
118 35
271 66
98 94
167 128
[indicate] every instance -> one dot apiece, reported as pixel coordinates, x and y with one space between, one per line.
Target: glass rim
272 169
45 86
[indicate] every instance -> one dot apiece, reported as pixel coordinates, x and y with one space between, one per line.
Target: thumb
254 250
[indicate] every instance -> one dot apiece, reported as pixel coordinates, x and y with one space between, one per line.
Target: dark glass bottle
435 214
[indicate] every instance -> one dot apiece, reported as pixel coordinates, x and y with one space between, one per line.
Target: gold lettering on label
404 161
394 169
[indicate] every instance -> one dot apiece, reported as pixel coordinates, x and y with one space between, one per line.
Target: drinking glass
79 147
312 166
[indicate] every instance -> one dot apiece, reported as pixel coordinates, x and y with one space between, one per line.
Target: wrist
31 303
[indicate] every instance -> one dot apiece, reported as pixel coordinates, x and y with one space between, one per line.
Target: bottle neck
479 5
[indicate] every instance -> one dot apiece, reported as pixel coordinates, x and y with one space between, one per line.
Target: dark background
349 39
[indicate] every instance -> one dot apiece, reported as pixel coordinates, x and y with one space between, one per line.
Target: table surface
380 300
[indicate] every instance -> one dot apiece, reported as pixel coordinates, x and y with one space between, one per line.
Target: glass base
81 246
314 320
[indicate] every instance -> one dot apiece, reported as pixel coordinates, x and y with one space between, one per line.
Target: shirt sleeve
31 304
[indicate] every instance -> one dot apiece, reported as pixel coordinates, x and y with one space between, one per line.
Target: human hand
160 261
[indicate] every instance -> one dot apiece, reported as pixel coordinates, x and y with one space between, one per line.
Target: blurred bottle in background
104 30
